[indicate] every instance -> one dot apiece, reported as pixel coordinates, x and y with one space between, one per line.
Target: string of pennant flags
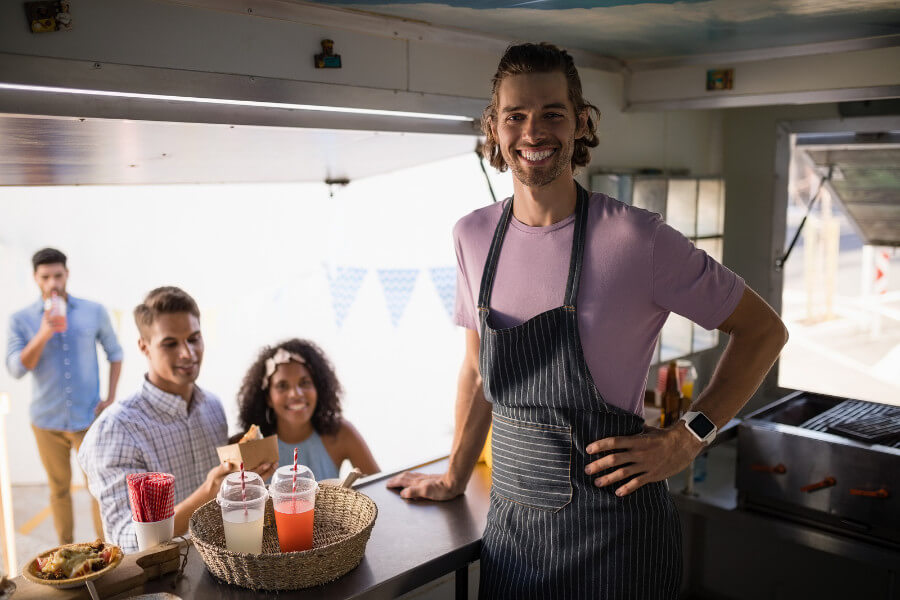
397 285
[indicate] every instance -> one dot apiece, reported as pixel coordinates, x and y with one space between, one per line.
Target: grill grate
865 421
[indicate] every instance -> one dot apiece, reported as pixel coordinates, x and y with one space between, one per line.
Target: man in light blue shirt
60 349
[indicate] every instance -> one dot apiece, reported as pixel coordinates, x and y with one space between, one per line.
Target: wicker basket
342 525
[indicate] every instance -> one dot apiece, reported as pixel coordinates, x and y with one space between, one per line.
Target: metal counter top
412 543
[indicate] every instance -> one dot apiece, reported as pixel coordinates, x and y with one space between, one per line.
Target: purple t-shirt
637 269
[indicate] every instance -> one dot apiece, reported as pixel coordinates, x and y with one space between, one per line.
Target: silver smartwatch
700 426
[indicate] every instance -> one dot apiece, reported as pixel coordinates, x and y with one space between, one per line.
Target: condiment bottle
671 400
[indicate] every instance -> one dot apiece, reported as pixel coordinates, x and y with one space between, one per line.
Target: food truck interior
299 167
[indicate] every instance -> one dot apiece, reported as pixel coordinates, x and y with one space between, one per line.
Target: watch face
701 425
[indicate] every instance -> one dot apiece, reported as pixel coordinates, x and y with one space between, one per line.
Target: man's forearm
31 354
186 508
115 369
473 419
742 368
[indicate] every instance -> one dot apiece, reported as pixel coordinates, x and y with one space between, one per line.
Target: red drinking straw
243 490
294 479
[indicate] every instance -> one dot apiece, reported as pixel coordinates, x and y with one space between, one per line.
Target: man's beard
545 175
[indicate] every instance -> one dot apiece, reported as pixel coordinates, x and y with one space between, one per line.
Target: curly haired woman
291 389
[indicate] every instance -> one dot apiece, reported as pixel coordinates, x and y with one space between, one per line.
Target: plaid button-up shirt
150 431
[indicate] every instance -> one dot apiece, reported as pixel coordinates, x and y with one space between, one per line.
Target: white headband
281 357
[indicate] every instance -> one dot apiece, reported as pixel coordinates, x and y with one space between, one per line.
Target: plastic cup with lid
243 511
287 472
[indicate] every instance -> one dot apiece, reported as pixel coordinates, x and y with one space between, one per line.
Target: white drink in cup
244 529
243 513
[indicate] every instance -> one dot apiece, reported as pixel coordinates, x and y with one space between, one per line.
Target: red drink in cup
294 520
294 503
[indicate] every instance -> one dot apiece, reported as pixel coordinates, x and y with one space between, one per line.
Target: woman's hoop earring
269 418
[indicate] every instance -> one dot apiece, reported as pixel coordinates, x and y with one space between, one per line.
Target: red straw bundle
152 496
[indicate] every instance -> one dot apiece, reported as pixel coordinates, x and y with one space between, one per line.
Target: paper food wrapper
251 453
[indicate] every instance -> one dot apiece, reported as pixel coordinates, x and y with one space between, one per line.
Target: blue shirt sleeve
15 343
107 337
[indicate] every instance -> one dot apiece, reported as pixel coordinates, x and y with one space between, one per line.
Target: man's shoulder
211 404
605 207
27 312
122 412
478 221
84 304
120 419
210 398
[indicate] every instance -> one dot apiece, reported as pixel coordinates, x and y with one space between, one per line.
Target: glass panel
650 194
681 208
712 246
711 207
613 185
703 339
675 338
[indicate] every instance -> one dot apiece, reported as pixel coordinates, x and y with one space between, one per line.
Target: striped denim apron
551 533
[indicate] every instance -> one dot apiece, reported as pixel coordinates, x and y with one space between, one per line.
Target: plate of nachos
71 565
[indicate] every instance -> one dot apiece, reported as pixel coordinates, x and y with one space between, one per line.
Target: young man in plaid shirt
170 425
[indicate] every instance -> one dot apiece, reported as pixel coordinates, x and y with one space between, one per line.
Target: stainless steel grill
863 421
833 462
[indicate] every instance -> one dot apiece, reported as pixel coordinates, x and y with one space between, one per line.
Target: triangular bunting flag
344 285
444 279
398 285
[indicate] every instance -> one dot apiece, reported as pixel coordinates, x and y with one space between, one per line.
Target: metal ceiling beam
76 74
849 141
742 56
745 100
387 26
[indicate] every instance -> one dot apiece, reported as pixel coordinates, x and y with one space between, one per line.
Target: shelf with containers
695 206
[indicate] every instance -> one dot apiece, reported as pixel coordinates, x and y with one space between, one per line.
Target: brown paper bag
251 453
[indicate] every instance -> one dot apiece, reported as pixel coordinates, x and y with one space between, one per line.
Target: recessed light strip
227 102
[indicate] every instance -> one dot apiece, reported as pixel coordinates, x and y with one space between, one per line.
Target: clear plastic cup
243 512
56 306
287 472
294 504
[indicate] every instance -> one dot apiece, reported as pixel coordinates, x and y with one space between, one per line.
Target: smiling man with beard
563 294
170 425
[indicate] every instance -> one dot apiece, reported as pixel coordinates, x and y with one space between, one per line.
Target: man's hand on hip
651 456
424 486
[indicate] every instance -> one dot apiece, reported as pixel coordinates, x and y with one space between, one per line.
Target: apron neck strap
578 239
575 261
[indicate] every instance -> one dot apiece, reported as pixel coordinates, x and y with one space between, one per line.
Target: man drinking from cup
55 338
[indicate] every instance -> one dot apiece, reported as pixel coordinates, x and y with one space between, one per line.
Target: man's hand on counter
652 456
425 486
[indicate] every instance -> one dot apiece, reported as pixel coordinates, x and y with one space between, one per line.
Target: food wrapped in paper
252 452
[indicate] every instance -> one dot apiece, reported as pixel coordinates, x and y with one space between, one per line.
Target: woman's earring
269 418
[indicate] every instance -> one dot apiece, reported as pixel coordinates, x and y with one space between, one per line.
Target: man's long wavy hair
539 58
253 400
